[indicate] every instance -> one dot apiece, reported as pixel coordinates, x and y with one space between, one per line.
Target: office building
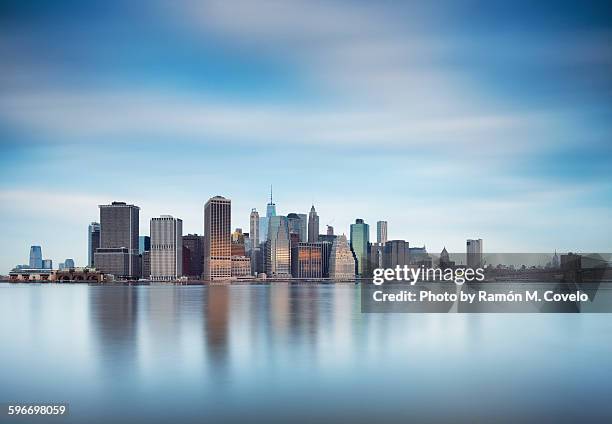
36 259
360 237
278 251
298 225
445 262
69 263
313 226
93 242
47 264
144 244
474 253
341 260
263 221
217 239
418 256
307 260
166 248
241 267
330 230
118 251
395 252
254 228
195 255
381 232
146 264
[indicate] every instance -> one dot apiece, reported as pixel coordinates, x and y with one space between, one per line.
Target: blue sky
449 120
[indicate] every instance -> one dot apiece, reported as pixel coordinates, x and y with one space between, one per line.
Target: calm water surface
281 353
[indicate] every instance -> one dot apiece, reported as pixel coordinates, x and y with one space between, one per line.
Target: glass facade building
93 242
278 248
360 237
36 259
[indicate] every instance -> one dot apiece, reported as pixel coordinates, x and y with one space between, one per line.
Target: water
281 353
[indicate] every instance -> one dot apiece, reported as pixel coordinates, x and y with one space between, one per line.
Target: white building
381 232
166 248
217 239
341 260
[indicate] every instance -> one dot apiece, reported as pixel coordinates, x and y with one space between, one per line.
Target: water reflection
284 352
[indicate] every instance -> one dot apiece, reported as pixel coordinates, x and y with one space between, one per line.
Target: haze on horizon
450 121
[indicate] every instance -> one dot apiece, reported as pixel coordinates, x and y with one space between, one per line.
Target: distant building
166 248
360 237
217 239
69 263
241 267
341 260
144 244
36 258
396 252
418 256
254 228
118 251
278 252
263 221
146 264
474 253
93 242
313 226
381 232
445 262
307 260
325 254
330 230
47 264
298 225
195 248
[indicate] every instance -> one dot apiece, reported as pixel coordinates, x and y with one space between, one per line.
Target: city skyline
445 126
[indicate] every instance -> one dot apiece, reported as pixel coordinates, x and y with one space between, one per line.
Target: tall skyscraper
278 248
217 239
474 253
93 242
263 221
330 230
360 237
254 228
341 260
118 251
195 246
313 226
166 248
36 259
381 232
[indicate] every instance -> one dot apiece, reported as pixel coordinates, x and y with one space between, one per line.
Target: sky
449 120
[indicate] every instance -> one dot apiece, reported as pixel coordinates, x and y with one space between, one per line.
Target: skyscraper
330 230
313 226
118 251
93 242
166 248
69 263
278 251
263 221
298 225
341 260
36 259
195 246
396 252
47 264
474 253
360 237
254 228
217 239
381 232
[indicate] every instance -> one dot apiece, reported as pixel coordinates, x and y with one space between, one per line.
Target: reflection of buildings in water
279 309
217 323
113 321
